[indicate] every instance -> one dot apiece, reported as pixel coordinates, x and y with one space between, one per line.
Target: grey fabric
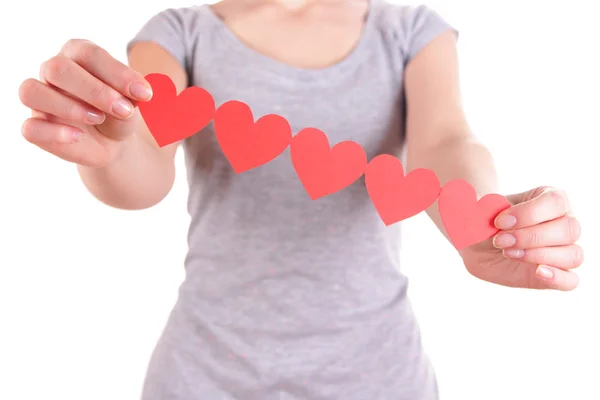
288 298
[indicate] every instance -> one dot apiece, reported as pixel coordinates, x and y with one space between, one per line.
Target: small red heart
323 170
397 197
248 144
467 220
172 118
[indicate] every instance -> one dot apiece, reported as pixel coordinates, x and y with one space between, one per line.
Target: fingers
82 85
41 132
69 76
549 205
563 257
39 96
64 141
559 232
99 63
556 278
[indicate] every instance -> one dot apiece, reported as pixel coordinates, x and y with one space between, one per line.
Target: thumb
533 207
522 197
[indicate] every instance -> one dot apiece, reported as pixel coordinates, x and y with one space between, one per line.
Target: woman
286 297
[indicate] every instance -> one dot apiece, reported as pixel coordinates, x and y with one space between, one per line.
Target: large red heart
324 170
171 118
468 221
397 197
248 144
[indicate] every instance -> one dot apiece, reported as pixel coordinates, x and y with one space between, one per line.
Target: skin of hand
536 246
83 104
84 111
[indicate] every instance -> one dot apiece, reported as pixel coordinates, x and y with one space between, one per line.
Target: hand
83 106
536 245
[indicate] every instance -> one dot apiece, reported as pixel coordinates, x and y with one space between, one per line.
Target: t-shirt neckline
264 62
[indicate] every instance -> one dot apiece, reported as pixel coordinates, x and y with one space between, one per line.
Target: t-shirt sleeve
422 25
168 30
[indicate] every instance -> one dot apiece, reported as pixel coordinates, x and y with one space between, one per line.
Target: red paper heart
323 170
171 118
397 197
248 144
467 220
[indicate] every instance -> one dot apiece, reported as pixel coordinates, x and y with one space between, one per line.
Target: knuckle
577 256
536 214
71 111
54 68
573 229
99 91
558 200
533 238
123 76
27 91
85 52
70 45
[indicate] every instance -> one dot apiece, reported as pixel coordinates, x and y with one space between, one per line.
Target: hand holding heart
535 247
324 170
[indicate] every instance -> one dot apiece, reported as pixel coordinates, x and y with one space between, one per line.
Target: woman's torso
287 297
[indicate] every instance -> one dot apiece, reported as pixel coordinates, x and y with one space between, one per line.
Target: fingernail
544 272
140 91
94 117
514 253
506 221
504 240
122 108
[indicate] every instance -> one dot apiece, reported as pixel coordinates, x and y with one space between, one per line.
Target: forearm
461 158
138 178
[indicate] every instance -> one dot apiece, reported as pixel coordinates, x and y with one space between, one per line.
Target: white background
85 289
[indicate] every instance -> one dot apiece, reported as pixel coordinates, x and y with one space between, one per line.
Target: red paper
468 221
248 144
323 170
171 118
397 197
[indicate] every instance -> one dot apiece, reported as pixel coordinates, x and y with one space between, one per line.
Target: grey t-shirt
288 298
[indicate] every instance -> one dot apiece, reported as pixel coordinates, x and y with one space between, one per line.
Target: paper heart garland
323 170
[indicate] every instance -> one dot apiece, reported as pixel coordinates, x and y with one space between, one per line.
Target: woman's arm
438 136
142 173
